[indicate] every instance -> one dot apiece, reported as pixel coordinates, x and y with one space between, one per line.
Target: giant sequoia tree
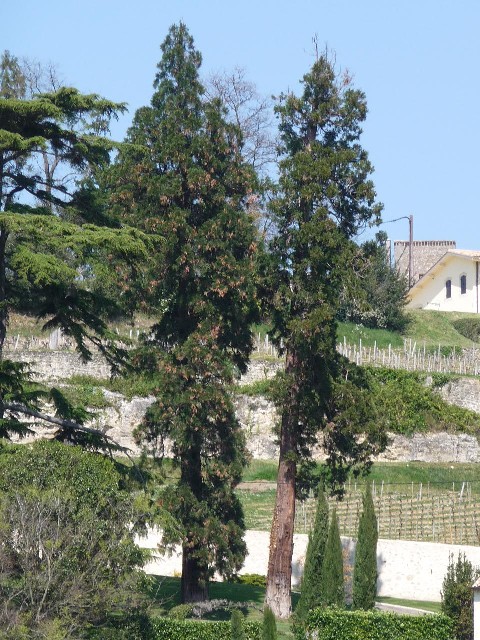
182 179
54 239
324 196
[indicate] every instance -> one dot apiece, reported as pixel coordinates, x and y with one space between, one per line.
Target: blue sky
416 60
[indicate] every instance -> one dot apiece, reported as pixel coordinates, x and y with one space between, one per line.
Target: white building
451 284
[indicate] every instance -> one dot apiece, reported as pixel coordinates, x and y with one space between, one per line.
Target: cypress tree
333 592
269 627
457 600
311 584
365 567
236 625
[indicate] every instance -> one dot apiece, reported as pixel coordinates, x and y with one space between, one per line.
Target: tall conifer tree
365 568
333 590
311 594
324 196
182 179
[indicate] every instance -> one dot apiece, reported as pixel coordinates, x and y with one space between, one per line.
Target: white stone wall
410 570
431 292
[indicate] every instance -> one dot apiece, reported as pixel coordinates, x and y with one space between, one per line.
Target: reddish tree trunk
278 594
194 585
193 588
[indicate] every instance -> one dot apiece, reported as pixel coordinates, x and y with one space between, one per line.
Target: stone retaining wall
256 414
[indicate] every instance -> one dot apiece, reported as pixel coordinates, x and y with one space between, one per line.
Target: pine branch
66 424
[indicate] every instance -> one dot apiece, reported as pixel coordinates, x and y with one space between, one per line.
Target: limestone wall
256 414
57 366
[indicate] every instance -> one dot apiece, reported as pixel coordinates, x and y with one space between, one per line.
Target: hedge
336 624
166 629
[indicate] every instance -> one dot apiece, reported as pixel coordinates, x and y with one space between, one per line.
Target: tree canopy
181 177
324 196
55 241
67 554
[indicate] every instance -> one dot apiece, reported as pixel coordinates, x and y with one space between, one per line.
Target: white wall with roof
431 291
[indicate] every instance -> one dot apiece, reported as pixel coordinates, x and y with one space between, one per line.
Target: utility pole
410 252
410 245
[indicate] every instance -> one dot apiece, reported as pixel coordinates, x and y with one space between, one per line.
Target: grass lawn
436 328
165 594
434 607
353 333
439 475
432 328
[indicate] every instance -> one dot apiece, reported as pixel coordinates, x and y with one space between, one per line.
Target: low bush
336 624
468 327
254 579
180 612
193 630
406 404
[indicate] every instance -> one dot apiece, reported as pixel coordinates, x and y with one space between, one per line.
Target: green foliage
333 590
334 624
376 295
434 328
181 177
256 388
86 395
236 622
191 630
323 197
254 579
468 327
56 246
457 595
67 553
269 626
365 569
405 404
312 585
180 612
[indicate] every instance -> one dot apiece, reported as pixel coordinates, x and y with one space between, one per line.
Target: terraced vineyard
405 512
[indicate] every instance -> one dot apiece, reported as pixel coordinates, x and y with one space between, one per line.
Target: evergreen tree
236 622
311 594
333 590
457 598
365 568
182 179
13 83
269 626
50 252
324 196
377 293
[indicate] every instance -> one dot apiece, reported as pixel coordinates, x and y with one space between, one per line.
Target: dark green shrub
365 568
337 624
311 583
236 625
468 327
269 628
180 612
333 591
457 597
